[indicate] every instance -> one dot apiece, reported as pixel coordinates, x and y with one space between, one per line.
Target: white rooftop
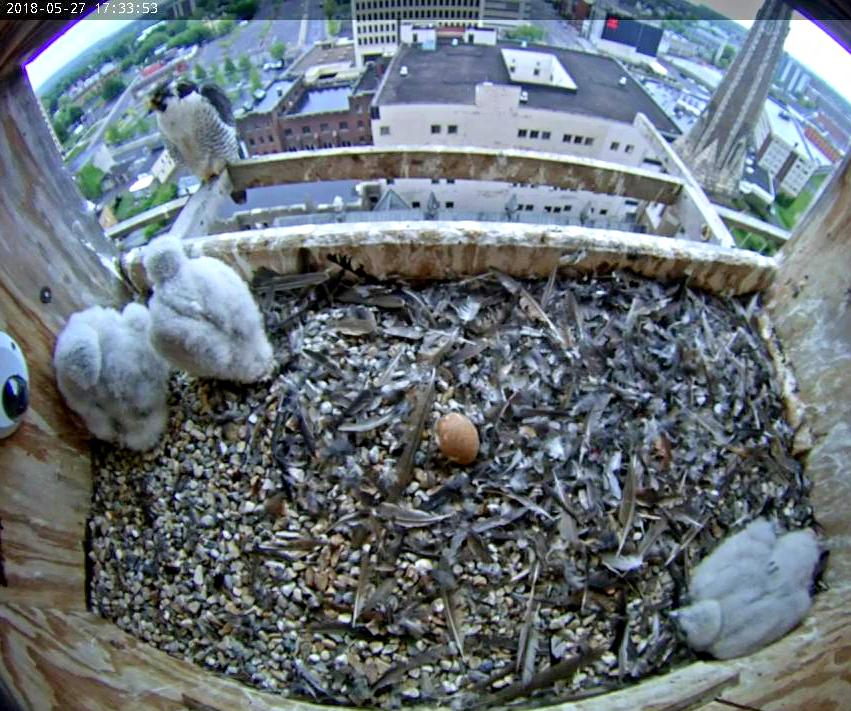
531 67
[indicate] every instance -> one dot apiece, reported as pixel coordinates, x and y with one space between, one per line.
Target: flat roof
753 173
449 75
274 93
318 56
319 101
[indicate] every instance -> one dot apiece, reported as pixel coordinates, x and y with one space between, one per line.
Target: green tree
112 135
245 64
277 51
254 79
531 33
244 9
230 67
330 8
727 56
199 72
75 113
112 87
89 179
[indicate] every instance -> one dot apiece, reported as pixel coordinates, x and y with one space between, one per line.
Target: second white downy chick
734 563
204 319
773 594
110 375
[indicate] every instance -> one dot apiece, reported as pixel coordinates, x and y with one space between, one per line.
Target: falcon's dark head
160 96
185 88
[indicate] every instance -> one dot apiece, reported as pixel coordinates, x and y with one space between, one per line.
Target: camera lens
16 397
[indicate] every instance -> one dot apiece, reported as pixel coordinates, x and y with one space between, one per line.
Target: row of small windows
533 133
383 39
450 128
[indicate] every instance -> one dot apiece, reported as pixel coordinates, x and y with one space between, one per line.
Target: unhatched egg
457 438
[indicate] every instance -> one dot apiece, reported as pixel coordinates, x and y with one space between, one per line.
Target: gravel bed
306 536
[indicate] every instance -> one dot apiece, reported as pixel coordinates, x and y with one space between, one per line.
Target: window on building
288 132
250 141
630 201
521 133
452 129
536 72
604 211
547 208
589 141
415 204
577 139
534 134
260 139
435 128
384 130
435 181
629 148
545 135
450 181
568 208
305 129
271 140
344 126
449 204
360 124
529 208
556 209
390 181
615 145
567 138
323 126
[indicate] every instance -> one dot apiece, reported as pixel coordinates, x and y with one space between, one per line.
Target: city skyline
831 62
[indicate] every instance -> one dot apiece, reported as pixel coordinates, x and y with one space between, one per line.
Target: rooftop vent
524 97
403 71
622 81
524 43
454 41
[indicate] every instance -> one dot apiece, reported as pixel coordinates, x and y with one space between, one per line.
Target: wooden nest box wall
54 653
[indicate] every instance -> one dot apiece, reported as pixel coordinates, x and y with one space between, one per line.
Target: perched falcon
197 125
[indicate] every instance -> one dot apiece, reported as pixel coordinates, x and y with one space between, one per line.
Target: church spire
715 147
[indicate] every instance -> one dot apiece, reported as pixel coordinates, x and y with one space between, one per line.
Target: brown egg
457 438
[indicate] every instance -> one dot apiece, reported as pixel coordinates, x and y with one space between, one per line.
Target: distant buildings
311 111
83 89
377 23
625 38
514 96
784 150
511 96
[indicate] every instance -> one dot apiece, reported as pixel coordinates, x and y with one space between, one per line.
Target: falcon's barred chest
202 139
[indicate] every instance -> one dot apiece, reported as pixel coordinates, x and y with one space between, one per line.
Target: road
118 108
542 14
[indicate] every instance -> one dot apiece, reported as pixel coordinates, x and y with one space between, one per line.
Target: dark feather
220 102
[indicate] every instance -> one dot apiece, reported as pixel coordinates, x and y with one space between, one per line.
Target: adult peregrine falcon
197 126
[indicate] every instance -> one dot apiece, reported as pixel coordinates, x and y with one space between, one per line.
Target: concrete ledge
441 250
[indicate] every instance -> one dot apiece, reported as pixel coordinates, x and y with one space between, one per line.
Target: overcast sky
806 42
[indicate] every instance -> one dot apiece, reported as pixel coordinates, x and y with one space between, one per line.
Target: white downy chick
110 375
734 563
203 317
772 596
